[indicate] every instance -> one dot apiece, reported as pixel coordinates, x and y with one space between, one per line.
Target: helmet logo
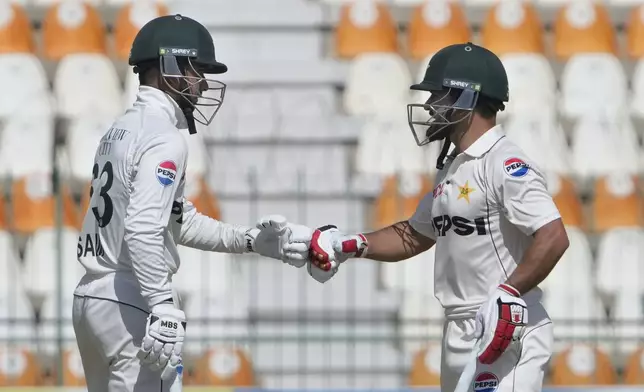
182 52
468 48
178 17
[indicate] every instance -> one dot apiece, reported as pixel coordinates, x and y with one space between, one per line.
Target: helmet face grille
205 96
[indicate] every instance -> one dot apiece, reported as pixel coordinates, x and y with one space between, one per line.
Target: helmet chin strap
190 119
440 162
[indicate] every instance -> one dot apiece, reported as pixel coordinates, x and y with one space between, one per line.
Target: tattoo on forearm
405 232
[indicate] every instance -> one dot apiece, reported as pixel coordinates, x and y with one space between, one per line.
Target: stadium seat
513 27
225 366
580 98
542 139
72 27
40 271
83 138
73 372
620 281
16 35
24 76
365 26
426 367
434 25
33 204
399 199
634 369
567 200
604 146
616 203
131 17
201 197
26 146
130 88
583 27
363 97
247 114
582 365
386 148
74 74
635 33
532 83
18 367
573 304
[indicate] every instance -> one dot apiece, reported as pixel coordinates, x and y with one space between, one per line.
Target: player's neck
477 128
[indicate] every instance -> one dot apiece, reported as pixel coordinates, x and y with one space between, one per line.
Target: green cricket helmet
184 51
457 76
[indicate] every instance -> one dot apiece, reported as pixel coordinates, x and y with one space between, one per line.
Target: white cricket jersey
137 211
486 204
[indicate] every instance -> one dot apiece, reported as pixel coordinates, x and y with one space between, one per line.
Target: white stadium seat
575 299
26 146
40 266
83 138
131 88
73 76
542 139
24 76
532 83
637 103
603 146
364 97
387 146
586 82
419 96
620 279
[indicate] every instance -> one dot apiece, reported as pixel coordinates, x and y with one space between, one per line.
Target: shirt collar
158 100
484 143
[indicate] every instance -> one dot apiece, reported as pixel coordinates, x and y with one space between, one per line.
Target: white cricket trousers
519 369
109 334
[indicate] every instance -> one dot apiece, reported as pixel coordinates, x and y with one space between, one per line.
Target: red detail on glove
351 246
319 256
509 319
509 289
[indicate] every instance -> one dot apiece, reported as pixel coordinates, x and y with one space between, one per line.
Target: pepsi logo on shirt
166 172
515 167
486 382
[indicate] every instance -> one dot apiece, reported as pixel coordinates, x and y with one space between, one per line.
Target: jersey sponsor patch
515 167
486 382
166 172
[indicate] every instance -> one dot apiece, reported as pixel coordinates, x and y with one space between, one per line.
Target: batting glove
500 322
276 238
163 340
330 247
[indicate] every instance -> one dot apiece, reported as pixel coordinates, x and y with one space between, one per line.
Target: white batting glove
276 238
163 341
330 247
500 322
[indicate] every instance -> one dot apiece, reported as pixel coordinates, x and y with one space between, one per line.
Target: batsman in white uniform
497 232
129 326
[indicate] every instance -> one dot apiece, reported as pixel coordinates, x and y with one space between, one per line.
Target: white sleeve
421 221
520 189
155 175
205 233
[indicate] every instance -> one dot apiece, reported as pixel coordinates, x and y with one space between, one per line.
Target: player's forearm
550 243
202 232
396 243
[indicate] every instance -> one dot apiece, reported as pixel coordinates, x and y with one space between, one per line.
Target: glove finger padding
504 323
320 275
322 252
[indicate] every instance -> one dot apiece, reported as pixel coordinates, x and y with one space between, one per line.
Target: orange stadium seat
426 367
617 203
224 367
18 368
204 200
565 197
635 33
34 205
395 204
583 27
434 25
513 27
582 365
129 20
634 370
73 372
365 26
16 35
71 27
